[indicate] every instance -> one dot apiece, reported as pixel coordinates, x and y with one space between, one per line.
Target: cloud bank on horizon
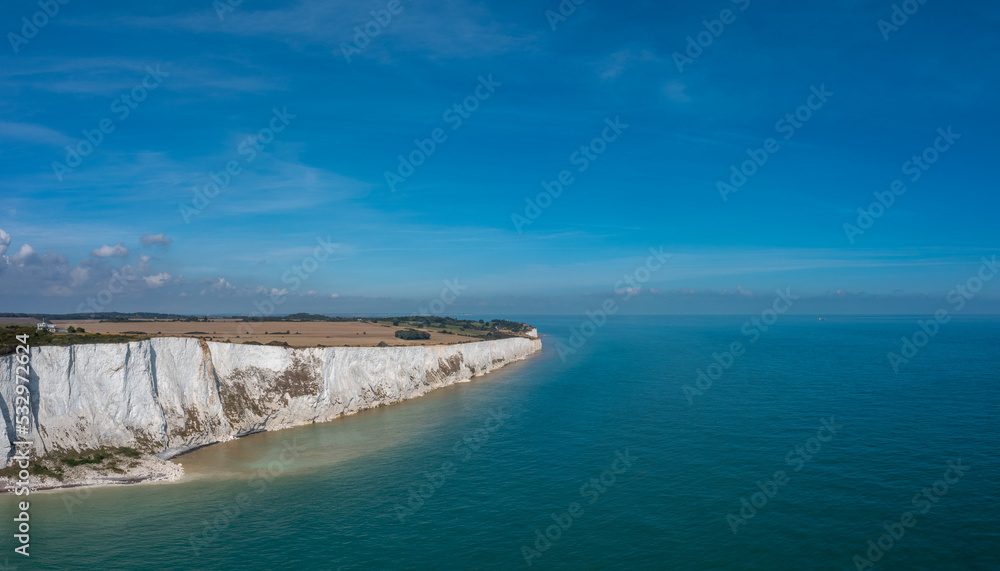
496 157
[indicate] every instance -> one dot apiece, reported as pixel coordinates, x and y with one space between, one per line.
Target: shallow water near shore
470 476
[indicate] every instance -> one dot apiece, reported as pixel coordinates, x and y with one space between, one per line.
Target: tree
412 334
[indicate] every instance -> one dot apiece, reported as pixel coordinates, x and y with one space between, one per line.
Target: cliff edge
165 396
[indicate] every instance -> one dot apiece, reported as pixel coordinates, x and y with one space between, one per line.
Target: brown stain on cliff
193 426
452 365
275 389
446 367
300 379
205 351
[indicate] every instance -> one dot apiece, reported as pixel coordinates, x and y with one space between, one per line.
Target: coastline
149 469
341 382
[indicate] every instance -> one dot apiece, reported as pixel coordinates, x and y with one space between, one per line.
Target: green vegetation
512 326
412 334
494 335
99 455
298 317
426 320
495 329
473 329
42 470
313 317
35 469
9 342
52 466
109 457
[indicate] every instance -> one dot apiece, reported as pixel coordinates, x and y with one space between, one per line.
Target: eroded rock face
168 395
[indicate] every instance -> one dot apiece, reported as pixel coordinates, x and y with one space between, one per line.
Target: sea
639 442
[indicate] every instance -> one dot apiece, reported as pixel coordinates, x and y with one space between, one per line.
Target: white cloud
25 254
471 31
220 286
58 290
105 251
4 241
158 280
32 133
155 240
79 275
675 91
617 63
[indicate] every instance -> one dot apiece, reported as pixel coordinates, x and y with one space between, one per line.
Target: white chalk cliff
167 395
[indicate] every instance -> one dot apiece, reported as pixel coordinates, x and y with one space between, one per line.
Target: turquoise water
398 487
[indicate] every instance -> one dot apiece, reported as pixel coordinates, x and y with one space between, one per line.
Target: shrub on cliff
412 334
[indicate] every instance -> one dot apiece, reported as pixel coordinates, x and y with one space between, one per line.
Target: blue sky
212 84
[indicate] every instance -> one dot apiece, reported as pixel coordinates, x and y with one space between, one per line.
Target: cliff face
168 395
